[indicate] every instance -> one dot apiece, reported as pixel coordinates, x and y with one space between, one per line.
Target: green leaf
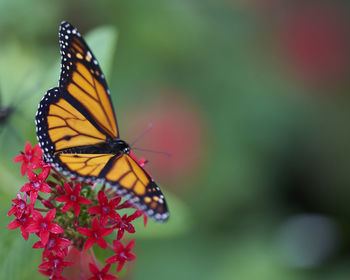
103 42
177 224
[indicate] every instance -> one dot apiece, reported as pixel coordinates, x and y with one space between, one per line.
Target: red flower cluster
77 215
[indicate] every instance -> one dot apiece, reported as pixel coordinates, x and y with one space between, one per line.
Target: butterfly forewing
83 79
61 126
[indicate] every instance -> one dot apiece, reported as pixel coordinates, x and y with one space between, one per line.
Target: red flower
101 274
19 206
128 204
30 156
54 264
43 226
72 198
122 254
37 184
55 244
95 234
105 209
54 275
124 224
22 222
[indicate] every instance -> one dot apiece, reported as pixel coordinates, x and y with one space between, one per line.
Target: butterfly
77 129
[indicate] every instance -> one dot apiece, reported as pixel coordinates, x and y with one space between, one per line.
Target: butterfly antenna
142 134
153 151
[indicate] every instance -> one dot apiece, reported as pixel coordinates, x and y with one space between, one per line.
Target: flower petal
33 196
32 176
45 188
114 216
84 231
26 187
83 200
50 215
120 265
106 268
44 236
131 256
105 231
44 173
76 208
95 225
93 268
18 158
130 245
14 224
62 198
77 189
23 168
114 203
67 188
55 228
27 148
37 215
94 210
112 259
32 228
102 243
89 242
67 206
102 198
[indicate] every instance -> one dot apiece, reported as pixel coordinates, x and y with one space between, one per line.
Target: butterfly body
78 133
111 146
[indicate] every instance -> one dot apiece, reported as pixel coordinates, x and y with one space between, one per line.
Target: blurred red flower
101 274
95 234
315 36
37 183
29 157
105 209
72 198
123 254
43 225
177 128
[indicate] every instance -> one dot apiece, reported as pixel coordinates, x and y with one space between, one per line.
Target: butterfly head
119 146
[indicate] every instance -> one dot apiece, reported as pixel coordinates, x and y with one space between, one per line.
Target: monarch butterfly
78 133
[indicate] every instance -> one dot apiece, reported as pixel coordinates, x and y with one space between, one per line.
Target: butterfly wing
61 126
121 172
84 81
132 180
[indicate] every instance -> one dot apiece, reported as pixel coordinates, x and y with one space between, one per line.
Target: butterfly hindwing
83 79
121 172
133 180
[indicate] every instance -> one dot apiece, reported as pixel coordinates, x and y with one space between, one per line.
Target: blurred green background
251 97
